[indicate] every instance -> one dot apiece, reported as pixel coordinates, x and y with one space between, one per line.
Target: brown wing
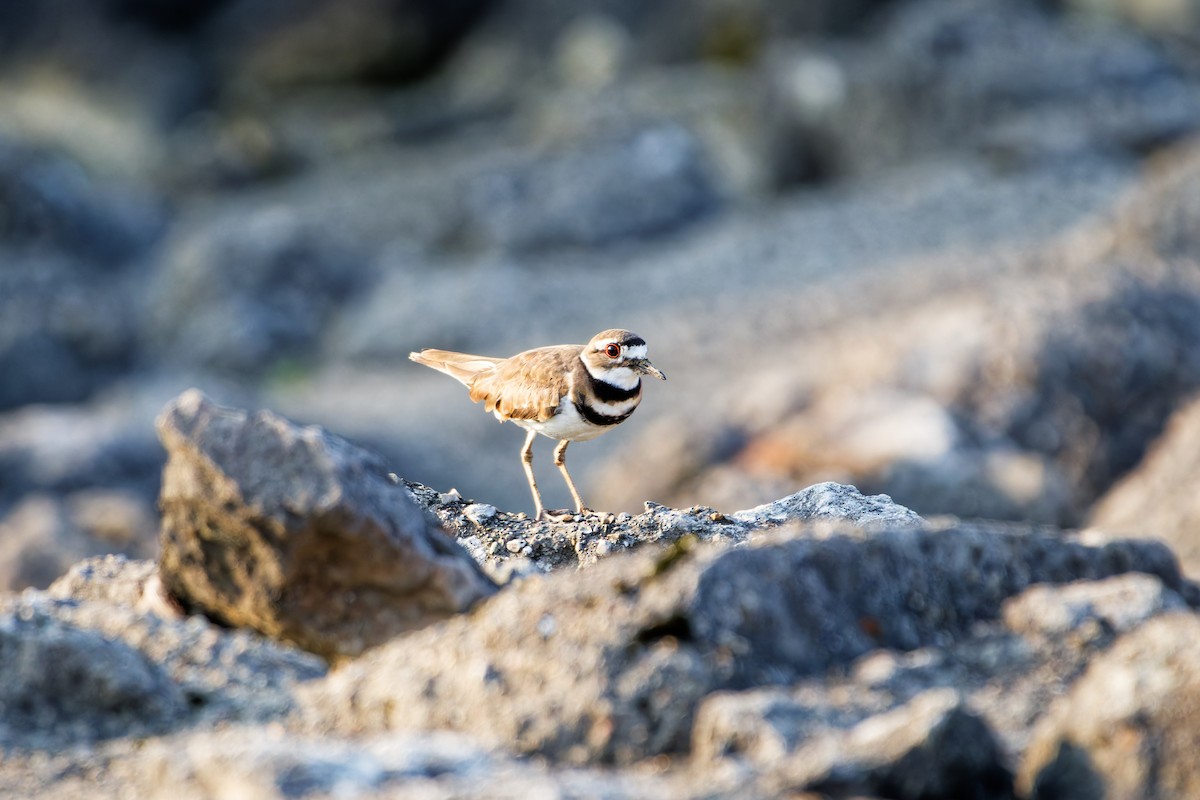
527 386
463 367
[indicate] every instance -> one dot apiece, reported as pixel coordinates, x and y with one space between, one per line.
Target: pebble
479 512
515 545
452 496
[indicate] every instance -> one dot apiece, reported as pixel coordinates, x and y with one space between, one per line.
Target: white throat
620 377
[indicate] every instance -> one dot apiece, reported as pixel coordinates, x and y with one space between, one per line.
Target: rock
1126 727
613 668
75 684
1006 80
264 46
53 205
1116 605
42 535
652 182
241 292
930 746
831 501
582 540
109 669
1157 498
110 579
104 450
66 329
298 534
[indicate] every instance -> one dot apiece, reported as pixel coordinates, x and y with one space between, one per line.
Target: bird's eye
612 350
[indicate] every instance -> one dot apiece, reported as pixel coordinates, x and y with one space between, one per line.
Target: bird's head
620 356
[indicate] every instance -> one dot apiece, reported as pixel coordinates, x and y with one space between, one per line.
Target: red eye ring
612 350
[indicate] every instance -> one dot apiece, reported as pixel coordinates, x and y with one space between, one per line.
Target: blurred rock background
948 250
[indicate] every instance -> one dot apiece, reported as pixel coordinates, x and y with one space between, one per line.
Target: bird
568 392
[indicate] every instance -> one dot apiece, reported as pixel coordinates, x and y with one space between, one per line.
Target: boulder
298 534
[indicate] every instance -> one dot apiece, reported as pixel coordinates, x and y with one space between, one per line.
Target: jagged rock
1126 728
1158 498
831 501
496 537
298 534
929 746
612 668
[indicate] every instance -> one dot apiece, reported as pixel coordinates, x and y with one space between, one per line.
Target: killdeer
568 392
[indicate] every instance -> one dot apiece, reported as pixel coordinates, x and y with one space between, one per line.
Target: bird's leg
560 461
527 462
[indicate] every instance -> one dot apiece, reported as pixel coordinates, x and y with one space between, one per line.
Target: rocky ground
311 630
943 251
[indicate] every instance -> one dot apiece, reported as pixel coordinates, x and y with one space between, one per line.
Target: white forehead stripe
636 351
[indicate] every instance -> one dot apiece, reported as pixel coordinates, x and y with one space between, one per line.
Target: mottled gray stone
1127 728
612 668
930 746
830 501
1117 604
298 534
70 683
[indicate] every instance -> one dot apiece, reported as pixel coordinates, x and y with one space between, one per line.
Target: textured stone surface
929 746
1115 605
1127 728
611 668
1157 499
299 534
496 538
74 683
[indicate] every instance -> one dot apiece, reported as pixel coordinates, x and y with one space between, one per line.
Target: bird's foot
555 515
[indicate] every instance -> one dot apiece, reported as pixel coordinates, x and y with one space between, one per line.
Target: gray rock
299 534
612 668
262 45
67 327
103 448
53 205
1158 498
1117 605
582 540
42 536
75 684
111 669
830 501
1005 79
648 183
244 762
110 579
1127 727
929 746
242 290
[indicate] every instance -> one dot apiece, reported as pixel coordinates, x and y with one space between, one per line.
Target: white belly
566 424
